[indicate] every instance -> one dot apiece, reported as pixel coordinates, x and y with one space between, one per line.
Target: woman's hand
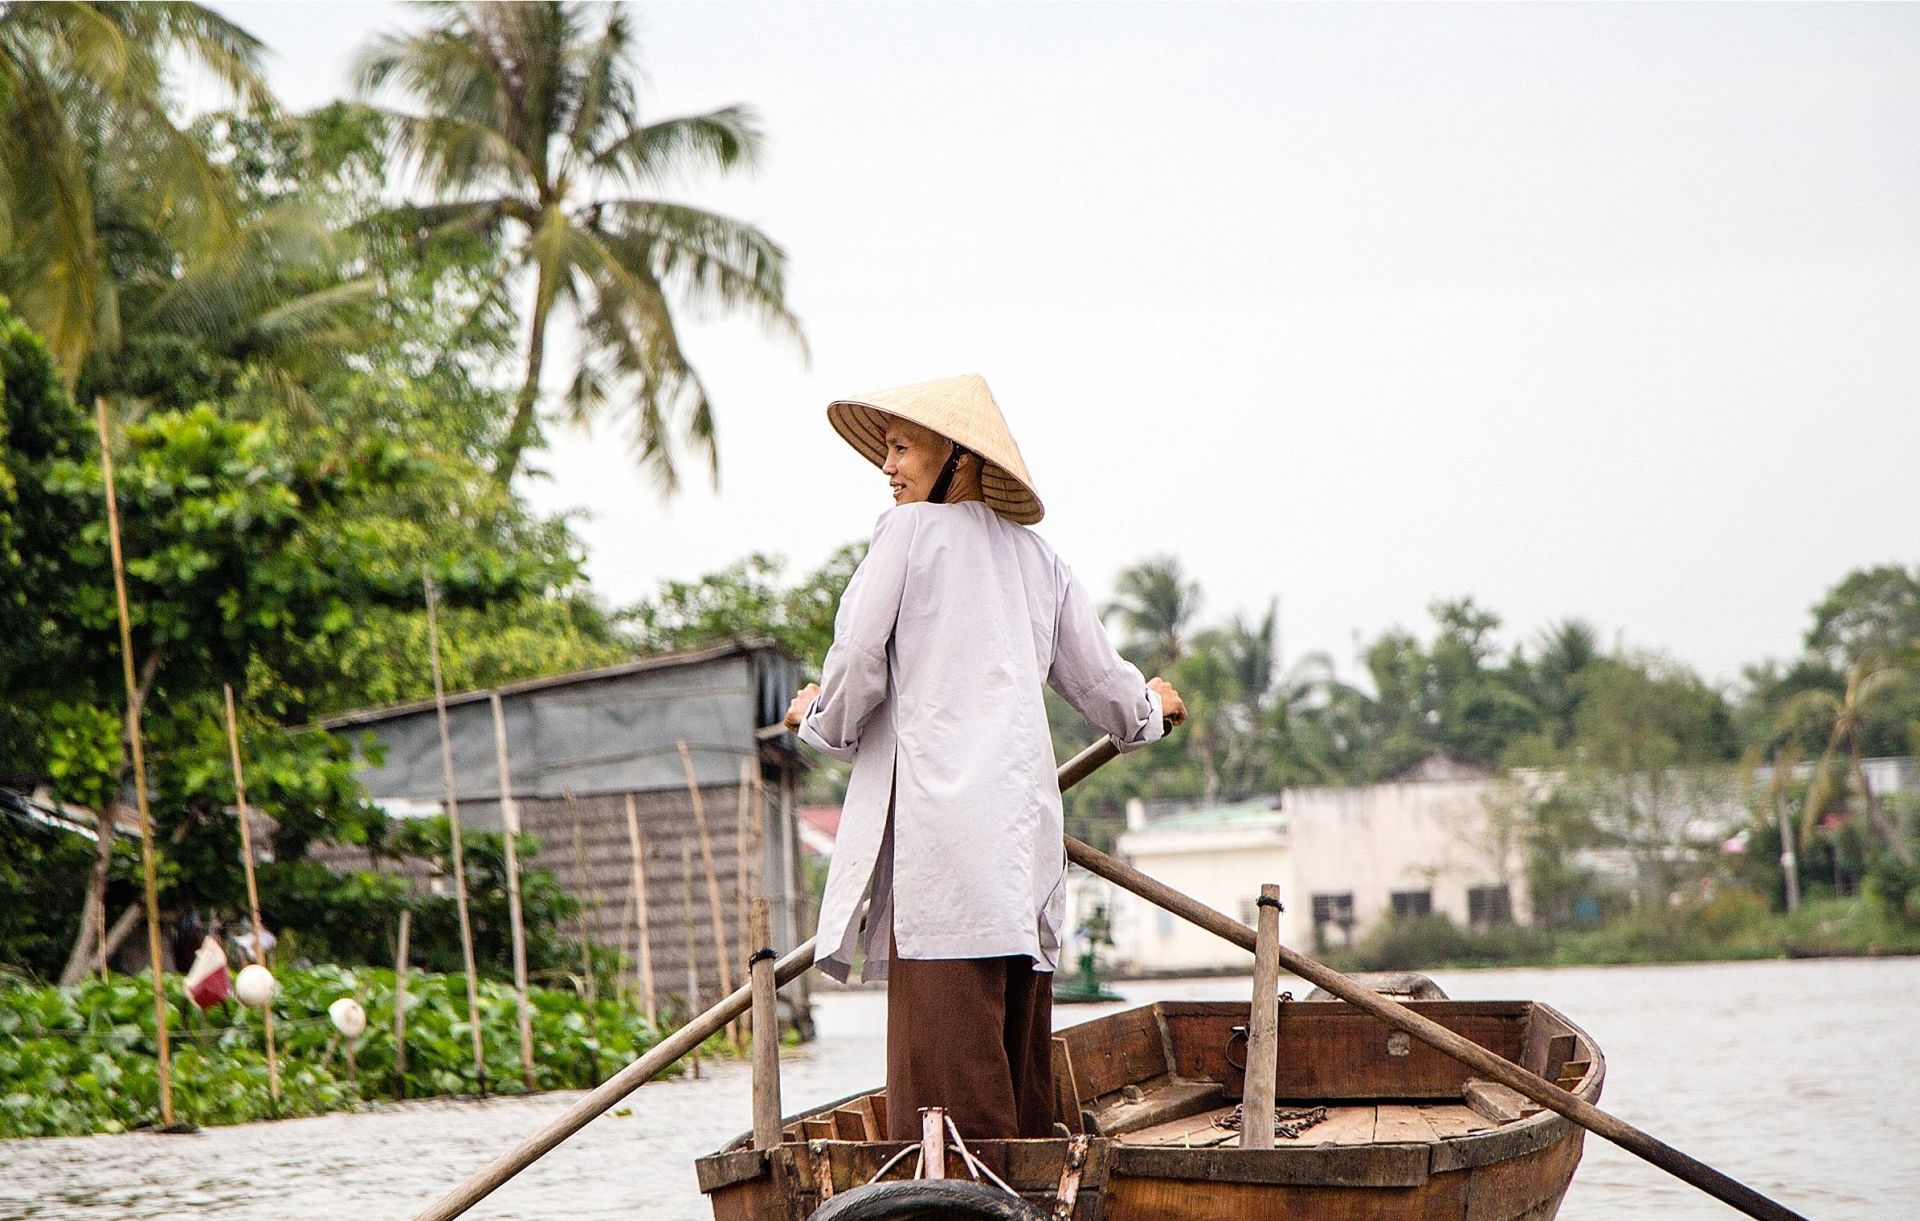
797 710
1172 707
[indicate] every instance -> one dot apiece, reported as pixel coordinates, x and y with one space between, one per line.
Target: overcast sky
1584 311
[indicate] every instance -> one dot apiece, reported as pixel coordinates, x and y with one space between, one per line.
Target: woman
951 834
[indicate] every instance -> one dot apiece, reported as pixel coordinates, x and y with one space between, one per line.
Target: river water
1800 1079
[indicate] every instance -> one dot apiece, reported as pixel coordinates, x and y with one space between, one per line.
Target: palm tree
1155 602
87 148
1843 716
529 131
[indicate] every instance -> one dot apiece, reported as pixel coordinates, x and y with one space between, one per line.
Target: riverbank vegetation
81 1059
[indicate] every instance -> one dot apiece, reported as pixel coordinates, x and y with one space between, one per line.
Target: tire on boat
929 1198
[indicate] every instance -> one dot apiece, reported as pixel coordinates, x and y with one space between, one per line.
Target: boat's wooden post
716 909
457 840
933 1142
400 1002
510 830
1397 1016
766 1031
1263 1026
743 895
253 889
641 919
162 1042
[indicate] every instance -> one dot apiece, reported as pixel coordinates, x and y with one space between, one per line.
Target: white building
1344 858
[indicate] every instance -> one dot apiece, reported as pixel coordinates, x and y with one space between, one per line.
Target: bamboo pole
459 848
586 935
162 1042
253 889
718 912
1263 1027
693 958
1400 1017
400 1002
766 1031
742 897
642 920
510 822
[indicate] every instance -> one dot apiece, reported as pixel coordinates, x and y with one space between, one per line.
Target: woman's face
914 458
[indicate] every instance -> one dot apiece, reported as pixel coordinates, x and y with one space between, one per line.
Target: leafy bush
1421 942
82 1059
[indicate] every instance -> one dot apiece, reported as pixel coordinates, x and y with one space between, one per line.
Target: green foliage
94 172
41 903
748 599
1426 942
79 1060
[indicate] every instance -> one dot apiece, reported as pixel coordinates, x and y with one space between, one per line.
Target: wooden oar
679 1043
1398 1016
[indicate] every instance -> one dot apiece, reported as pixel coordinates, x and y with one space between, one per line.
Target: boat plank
1453 1119
1326 1165
1193 1130
849 1124
1108 1053
1329 1050
1498 1103
1171 1100
1066 1089
1397 1122
1180 1199
1342 1126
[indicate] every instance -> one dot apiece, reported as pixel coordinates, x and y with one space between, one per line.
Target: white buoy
348 1017
254 986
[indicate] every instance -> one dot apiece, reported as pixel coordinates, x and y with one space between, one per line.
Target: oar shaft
1465 1050
611 1091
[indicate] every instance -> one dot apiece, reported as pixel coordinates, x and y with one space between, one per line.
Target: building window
1333 913
1409 904
1249 913
1488 906
1163 923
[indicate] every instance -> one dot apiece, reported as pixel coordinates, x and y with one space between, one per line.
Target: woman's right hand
1172 707
802 702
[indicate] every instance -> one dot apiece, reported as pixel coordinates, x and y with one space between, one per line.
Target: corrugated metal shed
601 736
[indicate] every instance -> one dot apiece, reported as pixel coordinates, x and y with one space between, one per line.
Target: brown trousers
973 1035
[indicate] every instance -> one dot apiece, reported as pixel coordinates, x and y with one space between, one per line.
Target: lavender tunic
932 690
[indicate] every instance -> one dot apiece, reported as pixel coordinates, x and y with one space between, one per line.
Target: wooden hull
1407 1133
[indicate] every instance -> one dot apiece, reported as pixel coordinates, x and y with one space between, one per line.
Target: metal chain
1288 1122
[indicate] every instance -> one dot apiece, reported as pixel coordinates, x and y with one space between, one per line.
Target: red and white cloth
208 980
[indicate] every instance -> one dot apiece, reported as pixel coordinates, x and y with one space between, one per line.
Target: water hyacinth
80 1060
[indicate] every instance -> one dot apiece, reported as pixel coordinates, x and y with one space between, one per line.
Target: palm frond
713 262
723 139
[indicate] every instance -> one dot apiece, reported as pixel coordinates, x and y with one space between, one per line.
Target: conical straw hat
960 409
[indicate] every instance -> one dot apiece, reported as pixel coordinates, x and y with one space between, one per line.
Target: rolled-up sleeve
853 679
1090 674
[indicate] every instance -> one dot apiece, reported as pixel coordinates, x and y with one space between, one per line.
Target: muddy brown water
1798 1078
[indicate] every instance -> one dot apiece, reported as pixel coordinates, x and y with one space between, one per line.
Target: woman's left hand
797 710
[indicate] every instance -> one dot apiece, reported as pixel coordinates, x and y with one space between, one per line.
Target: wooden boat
1146 1098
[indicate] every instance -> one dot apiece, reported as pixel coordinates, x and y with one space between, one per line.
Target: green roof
1241 813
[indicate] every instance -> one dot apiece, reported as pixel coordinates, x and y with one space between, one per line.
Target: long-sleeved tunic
933 690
